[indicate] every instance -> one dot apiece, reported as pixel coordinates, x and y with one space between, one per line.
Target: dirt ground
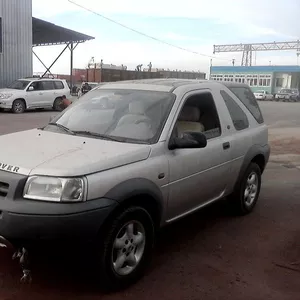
210 255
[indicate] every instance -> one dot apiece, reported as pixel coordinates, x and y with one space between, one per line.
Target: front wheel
246 194
125 249
18 107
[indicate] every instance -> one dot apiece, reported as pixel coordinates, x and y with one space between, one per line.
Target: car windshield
260 92
125 115
285 91
19 85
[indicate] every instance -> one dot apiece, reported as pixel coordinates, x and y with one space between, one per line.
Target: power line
144 34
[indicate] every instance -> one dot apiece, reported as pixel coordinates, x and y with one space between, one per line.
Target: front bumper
22 219
82 226
5 104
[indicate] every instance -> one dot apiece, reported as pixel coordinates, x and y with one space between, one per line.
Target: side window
247 98
239 118
37 86
199 114
58 85
48 85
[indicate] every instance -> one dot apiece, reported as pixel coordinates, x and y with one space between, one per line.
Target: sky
195 25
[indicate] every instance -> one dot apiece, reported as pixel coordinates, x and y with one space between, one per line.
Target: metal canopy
48 34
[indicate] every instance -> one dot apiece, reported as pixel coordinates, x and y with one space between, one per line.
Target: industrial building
20 33
268 78
15 40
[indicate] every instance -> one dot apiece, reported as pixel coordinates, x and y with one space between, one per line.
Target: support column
71 66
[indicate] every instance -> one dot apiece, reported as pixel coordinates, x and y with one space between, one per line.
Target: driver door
35 93
198 176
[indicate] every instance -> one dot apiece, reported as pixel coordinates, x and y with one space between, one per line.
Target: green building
268 78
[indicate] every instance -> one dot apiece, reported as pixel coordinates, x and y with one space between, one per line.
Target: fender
134 187
252 153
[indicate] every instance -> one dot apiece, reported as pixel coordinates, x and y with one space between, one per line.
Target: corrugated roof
45 33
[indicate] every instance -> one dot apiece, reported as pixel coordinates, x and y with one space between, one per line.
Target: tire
240 204
113 277
58 105
18 106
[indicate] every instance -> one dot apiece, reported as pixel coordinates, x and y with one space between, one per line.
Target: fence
106 75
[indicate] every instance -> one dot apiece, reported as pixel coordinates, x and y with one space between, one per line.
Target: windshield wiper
62 127
99 135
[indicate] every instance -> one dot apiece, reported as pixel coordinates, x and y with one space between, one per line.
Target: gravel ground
210 255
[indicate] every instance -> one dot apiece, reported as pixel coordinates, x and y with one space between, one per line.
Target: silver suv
127 159
34 93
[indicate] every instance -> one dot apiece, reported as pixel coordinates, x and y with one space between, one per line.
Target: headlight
5 96
54 189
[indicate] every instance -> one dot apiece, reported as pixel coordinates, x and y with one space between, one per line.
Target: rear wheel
18 106
246 194
58 104
125 250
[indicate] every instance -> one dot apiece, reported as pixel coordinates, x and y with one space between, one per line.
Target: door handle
226 145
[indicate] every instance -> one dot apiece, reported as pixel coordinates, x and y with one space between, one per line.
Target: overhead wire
145 34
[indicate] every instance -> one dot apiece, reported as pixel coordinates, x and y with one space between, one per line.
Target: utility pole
210 69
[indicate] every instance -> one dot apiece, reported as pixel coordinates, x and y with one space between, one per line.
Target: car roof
163 84
39 78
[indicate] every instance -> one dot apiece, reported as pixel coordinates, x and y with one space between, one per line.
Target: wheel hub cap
128 248
18 107
251 189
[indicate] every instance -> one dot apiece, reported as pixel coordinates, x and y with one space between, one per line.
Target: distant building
15 40
268 78
106 66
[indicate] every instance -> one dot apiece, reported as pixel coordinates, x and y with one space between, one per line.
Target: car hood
54 154
7 90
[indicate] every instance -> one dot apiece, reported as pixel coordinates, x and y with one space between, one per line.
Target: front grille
4 189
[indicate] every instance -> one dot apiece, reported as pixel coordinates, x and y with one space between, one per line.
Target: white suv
34 93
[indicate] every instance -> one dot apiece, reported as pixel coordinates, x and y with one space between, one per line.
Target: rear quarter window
246 96
58 85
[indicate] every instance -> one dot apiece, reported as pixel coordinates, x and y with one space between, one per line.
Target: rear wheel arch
260 160
256 154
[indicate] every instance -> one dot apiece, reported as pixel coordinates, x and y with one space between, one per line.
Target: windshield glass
260 92
19 84
285 91
132 115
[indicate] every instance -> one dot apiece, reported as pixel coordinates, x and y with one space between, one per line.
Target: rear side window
58 85
239 118
247 98
48 85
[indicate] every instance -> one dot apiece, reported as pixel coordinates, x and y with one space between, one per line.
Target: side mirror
30 89
188 141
